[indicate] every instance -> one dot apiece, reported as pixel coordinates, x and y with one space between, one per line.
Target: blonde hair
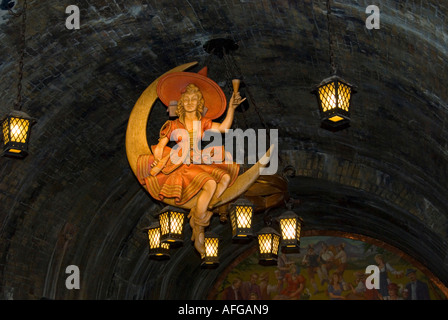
190 89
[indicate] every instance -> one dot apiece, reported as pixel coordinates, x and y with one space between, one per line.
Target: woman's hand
158 153
235 100
226 124
154 163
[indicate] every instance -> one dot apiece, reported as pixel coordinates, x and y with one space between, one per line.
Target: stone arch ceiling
74 199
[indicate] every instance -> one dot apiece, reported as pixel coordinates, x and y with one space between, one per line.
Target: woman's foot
199 242
192 224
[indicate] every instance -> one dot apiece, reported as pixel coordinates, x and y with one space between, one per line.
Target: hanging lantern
171 221
211 258
16 126
16 133
268 245
334 97
290 225
333 94
157 249
241 212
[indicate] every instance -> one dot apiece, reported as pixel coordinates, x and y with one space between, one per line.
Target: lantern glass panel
154 238
275 243
177 222
344 93
165 222
299 228
241 219
288 227
157 249
268 243
211 247
19 129
244 216
171 222
327 95
5 127
265 243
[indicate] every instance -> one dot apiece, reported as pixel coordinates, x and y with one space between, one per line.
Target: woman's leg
201 215
205 195
220 188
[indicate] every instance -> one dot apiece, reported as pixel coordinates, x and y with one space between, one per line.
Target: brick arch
408 192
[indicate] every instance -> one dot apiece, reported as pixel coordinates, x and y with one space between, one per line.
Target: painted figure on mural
311 261
416 289
385 268
233 292
335 287
251 289
183 176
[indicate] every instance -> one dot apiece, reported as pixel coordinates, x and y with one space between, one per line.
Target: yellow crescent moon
137 144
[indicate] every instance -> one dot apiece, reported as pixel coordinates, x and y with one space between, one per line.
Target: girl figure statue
186 178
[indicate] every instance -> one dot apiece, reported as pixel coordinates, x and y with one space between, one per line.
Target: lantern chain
330 39
18 103
249 94
229 75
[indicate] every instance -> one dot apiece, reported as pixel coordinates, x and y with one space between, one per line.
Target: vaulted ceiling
75 201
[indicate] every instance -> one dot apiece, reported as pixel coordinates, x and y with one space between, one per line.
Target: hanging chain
249 94
231 72
330 39
18 103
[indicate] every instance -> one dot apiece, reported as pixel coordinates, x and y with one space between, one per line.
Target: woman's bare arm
158 150
226 124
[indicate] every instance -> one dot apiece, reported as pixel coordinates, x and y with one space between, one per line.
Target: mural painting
328 268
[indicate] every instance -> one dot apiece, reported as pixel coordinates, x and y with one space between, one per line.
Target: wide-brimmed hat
172 85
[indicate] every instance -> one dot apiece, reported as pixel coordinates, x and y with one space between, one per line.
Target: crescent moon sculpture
137 144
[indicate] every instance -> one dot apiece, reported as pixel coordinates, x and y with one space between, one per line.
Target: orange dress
182 181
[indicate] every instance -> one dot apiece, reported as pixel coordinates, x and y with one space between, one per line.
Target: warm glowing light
211 250
154 238
268 244
156 247
211 247
288 228
241 213
336 118
244 218
171 221
334 98
290 225
16 131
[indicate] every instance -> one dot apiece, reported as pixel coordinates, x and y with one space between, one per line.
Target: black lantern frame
211 256
16 130
268 245
157 249
172 220
291 226
334 98
241 218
